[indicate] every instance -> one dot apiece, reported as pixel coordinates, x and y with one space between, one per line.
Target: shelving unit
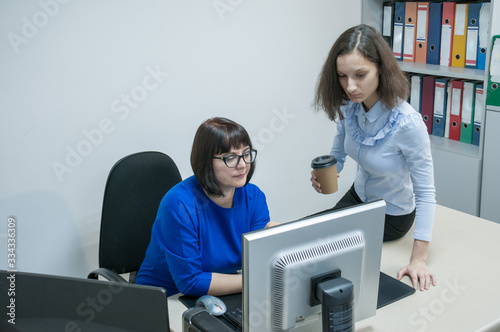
490 207
457 165
436 70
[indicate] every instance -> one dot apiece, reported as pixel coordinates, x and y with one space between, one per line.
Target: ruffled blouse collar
355 114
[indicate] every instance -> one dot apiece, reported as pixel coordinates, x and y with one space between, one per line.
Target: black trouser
395 226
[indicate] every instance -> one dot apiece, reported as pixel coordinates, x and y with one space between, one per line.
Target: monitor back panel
262 249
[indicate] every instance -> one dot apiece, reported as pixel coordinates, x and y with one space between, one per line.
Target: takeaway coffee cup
325 169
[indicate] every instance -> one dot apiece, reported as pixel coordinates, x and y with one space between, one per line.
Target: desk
465 257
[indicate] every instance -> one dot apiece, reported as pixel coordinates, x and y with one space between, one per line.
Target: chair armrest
106 273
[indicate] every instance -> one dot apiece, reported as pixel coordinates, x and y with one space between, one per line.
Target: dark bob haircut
213 137
393 85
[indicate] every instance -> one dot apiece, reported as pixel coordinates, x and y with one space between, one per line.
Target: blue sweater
193 237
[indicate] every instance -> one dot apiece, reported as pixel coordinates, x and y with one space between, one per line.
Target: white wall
83 83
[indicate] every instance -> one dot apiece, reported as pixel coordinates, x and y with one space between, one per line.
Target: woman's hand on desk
417 270
419 274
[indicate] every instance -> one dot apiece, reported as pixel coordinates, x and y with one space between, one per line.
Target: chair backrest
134 189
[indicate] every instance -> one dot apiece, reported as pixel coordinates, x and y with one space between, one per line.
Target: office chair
134 188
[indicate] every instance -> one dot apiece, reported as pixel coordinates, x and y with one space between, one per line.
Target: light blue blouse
392 148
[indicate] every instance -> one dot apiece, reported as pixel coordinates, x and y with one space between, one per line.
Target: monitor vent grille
284 261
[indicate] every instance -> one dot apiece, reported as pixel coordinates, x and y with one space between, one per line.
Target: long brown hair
393 85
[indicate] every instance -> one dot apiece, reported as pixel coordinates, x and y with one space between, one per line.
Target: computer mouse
213 304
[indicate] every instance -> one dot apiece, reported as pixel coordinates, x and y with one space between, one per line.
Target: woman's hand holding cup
316 185
324 174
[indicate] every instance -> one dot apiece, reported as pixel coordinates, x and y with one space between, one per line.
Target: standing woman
363 88
195 246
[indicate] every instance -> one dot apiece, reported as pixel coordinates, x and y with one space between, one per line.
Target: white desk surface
465 257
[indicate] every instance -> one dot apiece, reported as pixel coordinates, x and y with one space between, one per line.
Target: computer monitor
280 262
43 303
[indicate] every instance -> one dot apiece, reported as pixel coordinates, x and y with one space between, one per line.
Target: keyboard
235 317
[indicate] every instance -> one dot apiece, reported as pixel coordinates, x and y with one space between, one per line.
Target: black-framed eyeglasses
233 160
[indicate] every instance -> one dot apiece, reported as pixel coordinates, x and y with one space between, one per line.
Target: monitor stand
337 304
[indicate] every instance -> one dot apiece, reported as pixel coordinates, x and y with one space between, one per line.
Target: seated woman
195 246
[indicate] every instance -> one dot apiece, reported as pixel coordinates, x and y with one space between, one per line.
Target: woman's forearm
224 284
420 249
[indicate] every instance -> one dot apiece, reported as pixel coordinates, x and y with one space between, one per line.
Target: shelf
449 145
493 108
437 70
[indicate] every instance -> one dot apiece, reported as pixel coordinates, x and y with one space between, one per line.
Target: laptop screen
36 302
